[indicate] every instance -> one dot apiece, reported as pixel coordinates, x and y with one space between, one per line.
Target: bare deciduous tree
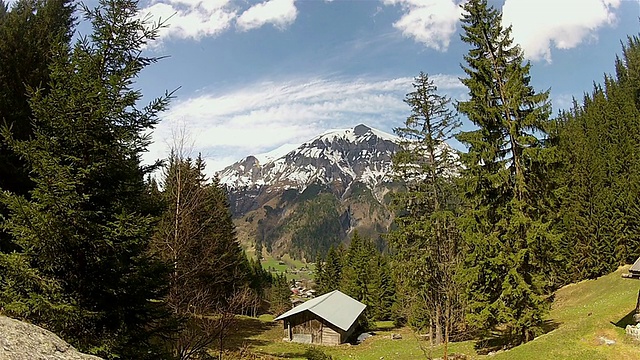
196 236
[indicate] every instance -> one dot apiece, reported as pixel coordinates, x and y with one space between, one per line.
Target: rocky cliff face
311 197
23 341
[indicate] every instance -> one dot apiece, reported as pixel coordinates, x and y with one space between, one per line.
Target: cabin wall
331 336
308 328
305 328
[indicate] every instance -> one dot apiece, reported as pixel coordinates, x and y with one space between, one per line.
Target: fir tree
383 291
319 275
426 241
362 278
83 269
279 295
328 278
510 237
29 33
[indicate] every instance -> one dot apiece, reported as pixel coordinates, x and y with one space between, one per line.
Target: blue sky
257 74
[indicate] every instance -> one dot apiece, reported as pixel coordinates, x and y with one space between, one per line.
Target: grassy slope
582 313
585 312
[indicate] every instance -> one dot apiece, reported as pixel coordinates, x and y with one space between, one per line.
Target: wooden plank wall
330 336
320 330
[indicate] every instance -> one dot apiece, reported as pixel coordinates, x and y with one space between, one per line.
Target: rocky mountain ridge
337 159
304 199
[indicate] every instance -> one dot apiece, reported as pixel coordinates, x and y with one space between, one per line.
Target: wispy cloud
431 22
539 26
262 116
280 13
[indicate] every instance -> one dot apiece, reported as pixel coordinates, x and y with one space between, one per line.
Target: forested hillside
313 197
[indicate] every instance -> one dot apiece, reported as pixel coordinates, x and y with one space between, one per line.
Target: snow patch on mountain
342 155
275 153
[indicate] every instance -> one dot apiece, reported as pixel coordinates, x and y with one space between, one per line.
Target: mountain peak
341 156
361 129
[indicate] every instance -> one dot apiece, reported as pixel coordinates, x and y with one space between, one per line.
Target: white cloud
564 24
261 116
431 22
280 13
195 19
191 19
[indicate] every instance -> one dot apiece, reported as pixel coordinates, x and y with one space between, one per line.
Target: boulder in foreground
23 341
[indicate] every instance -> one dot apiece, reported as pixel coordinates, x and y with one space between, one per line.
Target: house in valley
325 320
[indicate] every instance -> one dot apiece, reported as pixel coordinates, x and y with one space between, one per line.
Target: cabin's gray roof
635 268
335 307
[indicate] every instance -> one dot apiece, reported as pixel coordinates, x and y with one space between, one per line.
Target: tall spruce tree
510 235
82 267
382 287
29 32
427 241
329 274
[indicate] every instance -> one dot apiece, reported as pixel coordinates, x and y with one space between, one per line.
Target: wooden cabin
329 319
634 270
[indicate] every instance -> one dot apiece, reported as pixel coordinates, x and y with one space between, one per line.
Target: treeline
599 182
92 247
361 272
484 237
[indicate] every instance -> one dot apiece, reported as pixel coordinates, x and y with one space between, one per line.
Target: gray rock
23 341
605 341
364 336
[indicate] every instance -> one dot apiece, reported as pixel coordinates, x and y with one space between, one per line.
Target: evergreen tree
510 235
383 291
356 272
82 268
328 278
279 295
29 33
426 241
319 274
260 279
362 278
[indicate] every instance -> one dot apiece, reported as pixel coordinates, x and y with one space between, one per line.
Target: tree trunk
431 331
221 337
438 321
447 323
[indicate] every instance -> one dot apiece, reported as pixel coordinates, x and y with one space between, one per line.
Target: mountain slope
305 200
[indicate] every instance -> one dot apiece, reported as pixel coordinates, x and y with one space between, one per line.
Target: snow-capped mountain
303 199
361 154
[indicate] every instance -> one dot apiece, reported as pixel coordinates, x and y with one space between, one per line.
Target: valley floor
584 318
